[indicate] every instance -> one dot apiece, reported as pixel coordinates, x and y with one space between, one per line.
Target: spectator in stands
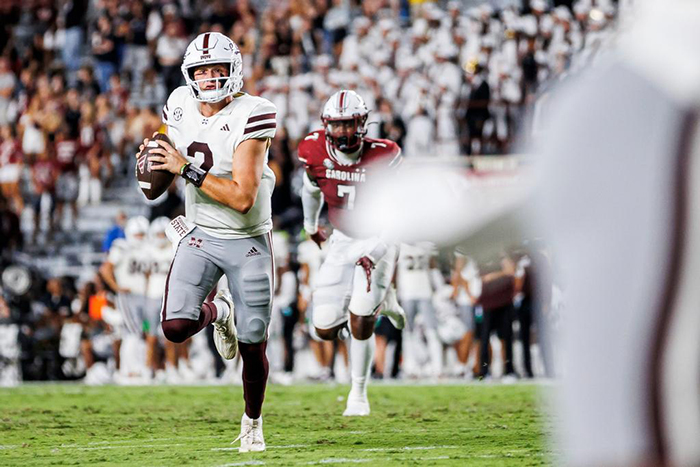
72 16
137 57
169 50
44 171
87 86
115 232
477 108
104 49
7 87
67 158
11 238
11 165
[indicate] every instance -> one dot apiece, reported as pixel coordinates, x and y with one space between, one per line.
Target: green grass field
167 426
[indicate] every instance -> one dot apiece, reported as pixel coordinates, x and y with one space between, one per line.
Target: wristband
183 167
194 175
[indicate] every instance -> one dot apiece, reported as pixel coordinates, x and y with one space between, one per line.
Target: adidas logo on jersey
225 128
253 252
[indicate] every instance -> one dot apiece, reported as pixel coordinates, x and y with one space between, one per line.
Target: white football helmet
156 231
207 49
135 227
343 108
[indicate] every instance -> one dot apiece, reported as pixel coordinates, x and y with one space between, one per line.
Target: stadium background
83 82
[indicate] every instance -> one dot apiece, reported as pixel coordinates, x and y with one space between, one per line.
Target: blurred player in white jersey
414 286
220 139
125 273
619 201
160 255
466 283
310 257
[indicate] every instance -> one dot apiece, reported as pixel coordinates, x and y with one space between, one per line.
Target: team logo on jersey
205 121
327 163
177 114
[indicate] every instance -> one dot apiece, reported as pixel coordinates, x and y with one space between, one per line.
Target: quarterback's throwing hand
367 265
319 237
167 158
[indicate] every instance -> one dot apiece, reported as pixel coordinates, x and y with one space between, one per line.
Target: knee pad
328 316
253 331
256 290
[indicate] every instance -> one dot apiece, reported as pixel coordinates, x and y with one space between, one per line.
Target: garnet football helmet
208 49
345 117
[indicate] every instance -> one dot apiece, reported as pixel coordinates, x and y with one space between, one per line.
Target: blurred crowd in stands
82 82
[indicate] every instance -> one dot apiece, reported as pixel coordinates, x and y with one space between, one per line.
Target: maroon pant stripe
672 279
167 287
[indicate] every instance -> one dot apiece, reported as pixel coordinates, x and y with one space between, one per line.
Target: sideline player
356 275
125 273
220 147
414 285
160 255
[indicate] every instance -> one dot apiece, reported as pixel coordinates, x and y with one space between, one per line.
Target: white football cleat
251 436
225 338
392 310
357 406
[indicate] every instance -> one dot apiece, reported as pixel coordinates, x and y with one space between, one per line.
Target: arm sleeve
262 122
312 202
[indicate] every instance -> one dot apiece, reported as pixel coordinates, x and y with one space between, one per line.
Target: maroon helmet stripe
341 99
259 127
257 118
165 117
206 41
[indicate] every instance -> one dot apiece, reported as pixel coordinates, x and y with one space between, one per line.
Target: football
153 183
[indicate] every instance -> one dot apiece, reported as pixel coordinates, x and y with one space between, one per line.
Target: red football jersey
342 184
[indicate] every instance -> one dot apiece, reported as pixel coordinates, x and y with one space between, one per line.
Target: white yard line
409 448
290 446
235 464
128 446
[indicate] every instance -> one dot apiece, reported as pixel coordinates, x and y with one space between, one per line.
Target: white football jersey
413 272
209 143
159 265
130 264
310 254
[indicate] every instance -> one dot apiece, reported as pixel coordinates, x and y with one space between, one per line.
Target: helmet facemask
346 134
224 84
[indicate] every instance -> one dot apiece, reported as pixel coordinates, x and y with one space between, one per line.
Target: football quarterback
220 147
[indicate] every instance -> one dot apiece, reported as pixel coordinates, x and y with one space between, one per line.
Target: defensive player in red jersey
354 281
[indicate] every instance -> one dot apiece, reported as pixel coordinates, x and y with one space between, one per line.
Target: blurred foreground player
620 202
221 138
356 275
619 199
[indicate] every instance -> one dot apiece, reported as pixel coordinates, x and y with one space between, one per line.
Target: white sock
361 356
222 311
435 350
